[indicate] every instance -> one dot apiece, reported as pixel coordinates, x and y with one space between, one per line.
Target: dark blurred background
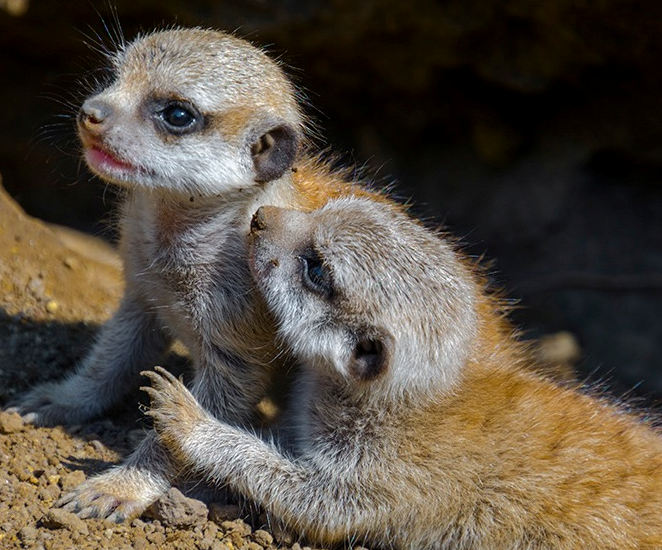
531 129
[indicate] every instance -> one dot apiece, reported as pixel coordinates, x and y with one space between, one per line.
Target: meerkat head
362 290
192 111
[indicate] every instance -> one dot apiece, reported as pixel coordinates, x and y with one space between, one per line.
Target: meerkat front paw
54 403
116 495
174 409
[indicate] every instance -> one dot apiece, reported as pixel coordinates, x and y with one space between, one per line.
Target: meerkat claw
171 402
163 384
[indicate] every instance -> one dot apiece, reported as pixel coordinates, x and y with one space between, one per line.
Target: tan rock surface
52 297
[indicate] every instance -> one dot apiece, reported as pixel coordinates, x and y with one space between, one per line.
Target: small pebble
176 510
263 538
218 513
54 479
10 423
57 518
238 526
71 480
28 534
98 446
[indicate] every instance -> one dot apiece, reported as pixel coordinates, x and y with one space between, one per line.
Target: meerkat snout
258 222
93 113
276 222
271 230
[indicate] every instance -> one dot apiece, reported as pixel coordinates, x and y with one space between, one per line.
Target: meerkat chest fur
195 125
189 261
332 421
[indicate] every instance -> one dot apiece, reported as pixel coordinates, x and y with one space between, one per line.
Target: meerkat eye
315 274
178 117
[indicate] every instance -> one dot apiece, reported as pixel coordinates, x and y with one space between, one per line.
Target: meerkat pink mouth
104 160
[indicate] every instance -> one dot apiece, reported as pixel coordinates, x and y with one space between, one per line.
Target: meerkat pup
418 422
199 129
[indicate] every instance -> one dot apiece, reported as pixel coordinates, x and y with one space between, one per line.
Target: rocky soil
533 129
56 288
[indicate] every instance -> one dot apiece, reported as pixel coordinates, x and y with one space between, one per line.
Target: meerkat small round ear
274 152
371 355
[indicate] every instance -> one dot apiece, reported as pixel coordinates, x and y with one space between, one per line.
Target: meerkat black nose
258 222
94 112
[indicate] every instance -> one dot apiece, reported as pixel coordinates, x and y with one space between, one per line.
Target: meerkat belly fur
199 129
419 422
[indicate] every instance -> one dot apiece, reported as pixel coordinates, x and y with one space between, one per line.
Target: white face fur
191 111
361 290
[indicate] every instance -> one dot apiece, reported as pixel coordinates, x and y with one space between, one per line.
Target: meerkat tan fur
200 129
418 422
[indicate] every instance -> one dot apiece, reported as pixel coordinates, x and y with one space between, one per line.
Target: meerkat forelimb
132 338
418 423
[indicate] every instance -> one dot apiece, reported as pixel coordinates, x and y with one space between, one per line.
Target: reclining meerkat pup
418 422
199 129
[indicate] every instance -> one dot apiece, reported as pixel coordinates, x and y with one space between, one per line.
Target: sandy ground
56 288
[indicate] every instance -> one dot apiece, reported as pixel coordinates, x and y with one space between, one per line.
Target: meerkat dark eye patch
370 356
274 153
315 275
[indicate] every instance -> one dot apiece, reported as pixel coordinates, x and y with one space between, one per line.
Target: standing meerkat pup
418 423
200 129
